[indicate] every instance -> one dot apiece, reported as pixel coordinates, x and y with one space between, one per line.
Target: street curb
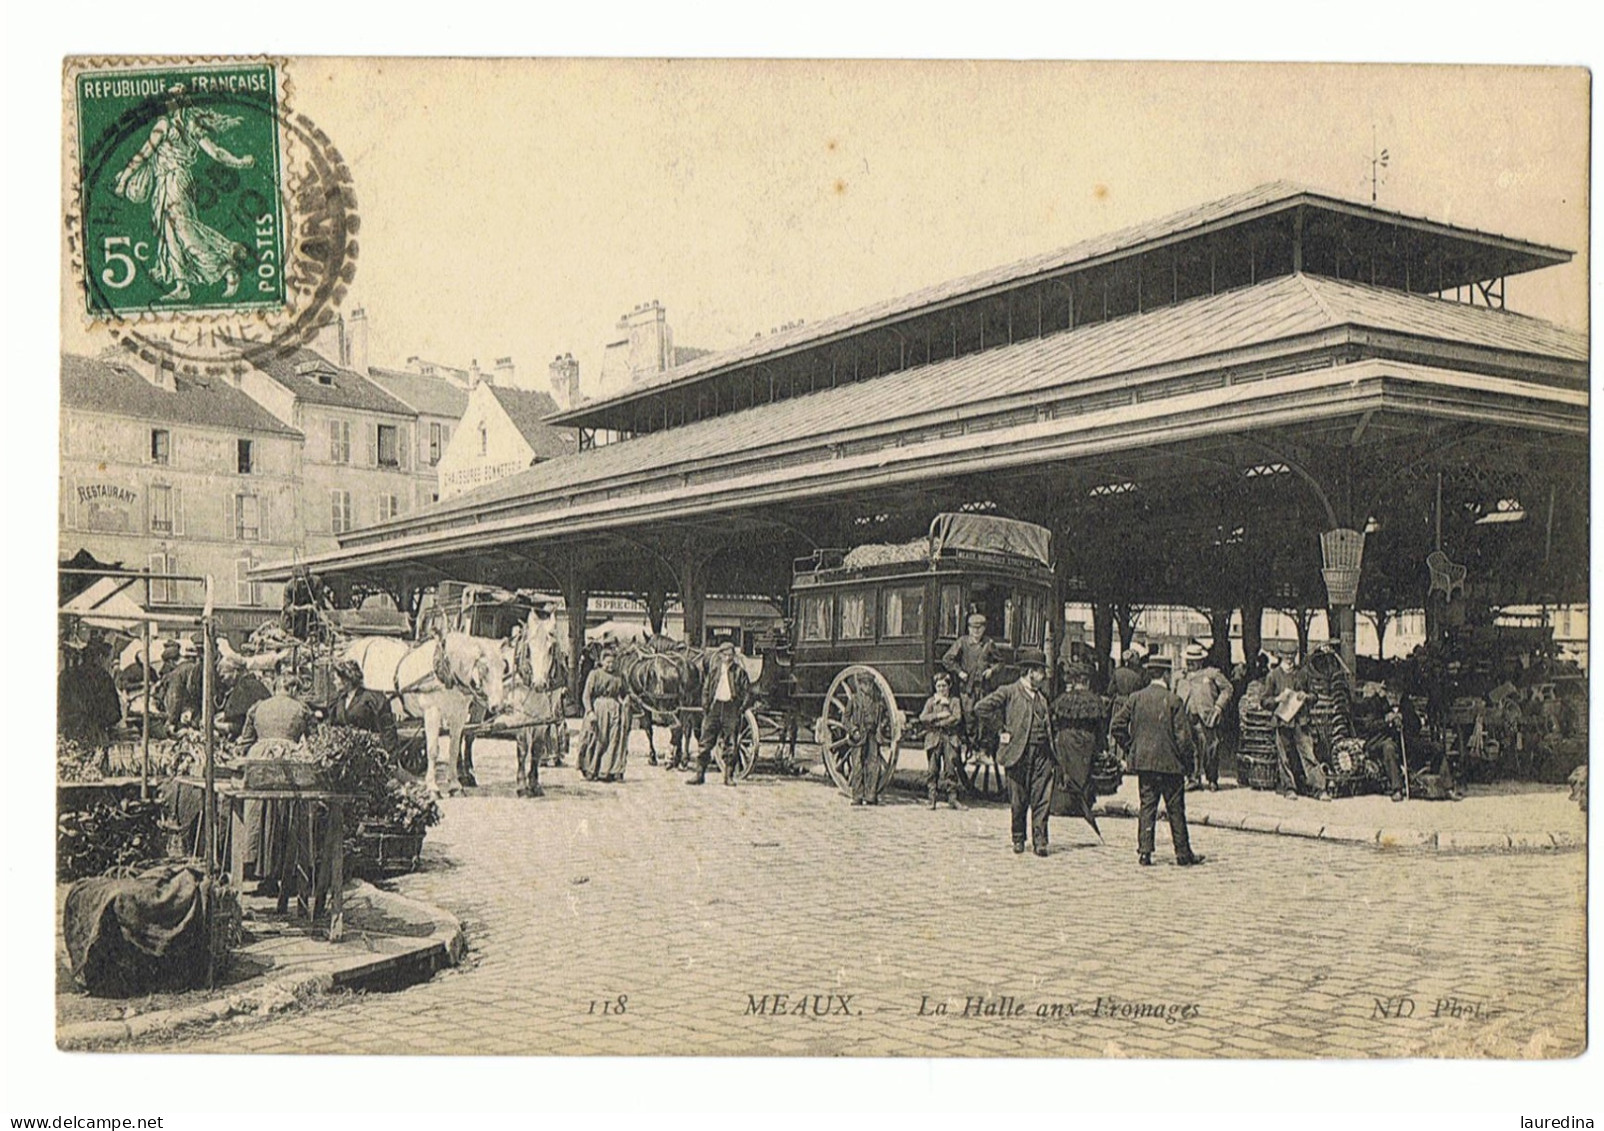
444 946
1457 841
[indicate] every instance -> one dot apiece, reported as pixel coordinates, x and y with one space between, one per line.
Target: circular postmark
215 226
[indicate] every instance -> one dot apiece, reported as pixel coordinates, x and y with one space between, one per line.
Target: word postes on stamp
180 189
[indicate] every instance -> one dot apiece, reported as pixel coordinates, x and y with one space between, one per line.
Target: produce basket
284 774
1258 772
379 851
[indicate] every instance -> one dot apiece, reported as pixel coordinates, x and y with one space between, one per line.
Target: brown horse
664 678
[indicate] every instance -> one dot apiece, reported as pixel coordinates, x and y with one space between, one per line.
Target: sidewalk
388 938
1506 817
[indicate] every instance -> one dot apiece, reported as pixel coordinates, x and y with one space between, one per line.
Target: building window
389 446
389 507
339 511
161 446
247 518
902 613
439 436
165 509
246 591
856 616
245 457
339 441
163 592
484 441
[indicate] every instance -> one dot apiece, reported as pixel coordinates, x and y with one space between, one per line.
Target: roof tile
116 387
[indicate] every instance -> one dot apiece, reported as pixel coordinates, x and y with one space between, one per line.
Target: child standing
943 717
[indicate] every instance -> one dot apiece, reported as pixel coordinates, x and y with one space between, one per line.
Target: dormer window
318 370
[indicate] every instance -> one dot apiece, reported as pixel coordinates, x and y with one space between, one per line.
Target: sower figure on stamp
163 172
943 718
1153 725
1206 692
1286 696
971 660
1026 752
726 693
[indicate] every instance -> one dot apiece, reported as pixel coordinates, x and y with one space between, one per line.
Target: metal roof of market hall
1116 370
1475 255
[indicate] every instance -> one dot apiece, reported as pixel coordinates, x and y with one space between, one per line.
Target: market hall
1282 399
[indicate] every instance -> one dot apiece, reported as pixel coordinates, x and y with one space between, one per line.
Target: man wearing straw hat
1287 698
1206 692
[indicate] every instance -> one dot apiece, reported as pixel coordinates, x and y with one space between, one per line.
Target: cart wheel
747 745
837 726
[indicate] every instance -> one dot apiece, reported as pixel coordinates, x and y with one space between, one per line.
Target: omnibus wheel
858 695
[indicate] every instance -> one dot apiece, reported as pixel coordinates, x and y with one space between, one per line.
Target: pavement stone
699 907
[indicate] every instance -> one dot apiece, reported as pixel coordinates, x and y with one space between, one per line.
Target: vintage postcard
807 558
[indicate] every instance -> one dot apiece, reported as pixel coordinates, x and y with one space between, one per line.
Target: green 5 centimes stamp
180 190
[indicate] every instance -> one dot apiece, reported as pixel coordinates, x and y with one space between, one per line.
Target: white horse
411 674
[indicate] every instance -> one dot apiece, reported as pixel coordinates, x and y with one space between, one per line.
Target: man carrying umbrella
1153 725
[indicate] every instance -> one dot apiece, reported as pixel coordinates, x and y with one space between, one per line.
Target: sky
520 207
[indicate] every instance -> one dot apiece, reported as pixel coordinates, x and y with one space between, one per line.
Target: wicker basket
1258 772
283 774
377 851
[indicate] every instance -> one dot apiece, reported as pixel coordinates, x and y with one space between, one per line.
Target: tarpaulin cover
129 936
992 535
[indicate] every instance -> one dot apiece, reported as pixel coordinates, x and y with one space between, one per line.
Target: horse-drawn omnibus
873 624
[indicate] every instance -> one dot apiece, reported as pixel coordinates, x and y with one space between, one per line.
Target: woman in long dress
606 745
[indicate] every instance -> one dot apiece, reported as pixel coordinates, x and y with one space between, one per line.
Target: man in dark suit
1153 725
726 692
1027 754
361 708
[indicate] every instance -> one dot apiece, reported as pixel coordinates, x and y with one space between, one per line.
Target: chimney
506 373
158 373
356 341
329 342
475 375
564 372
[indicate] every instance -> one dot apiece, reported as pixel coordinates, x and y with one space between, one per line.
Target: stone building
177 474
503 432
359 465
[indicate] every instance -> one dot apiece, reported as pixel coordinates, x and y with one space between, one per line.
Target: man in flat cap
1206 693
972 660
1153 725
1026 753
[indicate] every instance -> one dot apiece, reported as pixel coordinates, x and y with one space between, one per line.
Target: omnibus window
903 613
952 610
856 621
1032 619
1010 619
813 618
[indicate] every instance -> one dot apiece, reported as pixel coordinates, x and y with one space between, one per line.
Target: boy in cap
1153 725
943 717
1205 692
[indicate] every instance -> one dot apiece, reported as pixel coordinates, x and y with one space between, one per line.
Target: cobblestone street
649 918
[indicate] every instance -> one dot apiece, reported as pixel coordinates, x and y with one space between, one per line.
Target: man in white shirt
726 691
